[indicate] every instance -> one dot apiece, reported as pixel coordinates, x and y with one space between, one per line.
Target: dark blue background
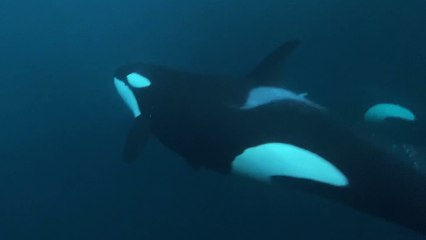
63 125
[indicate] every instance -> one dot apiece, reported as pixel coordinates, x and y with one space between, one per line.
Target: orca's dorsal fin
270 70
136 139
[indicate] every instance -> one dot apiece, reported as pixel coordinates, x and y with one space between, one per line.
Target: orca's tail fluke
270 70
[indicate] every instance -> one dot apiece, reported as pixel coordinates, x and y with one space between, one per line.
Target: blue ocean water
63 125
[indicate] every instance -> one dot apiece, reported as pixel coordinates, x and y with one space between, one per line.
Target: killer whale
193 115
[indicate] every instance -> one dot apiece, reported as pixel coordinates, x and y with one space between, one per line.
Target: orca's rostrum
252 126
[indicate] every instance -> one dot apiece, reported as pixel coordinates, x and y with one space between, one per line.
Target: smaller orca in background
274 136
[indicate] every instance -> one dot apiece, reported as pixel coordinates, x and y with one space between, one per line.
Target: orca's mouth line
128 97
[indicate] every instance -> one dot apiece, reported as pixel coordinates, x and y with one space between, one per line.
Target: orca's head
131 81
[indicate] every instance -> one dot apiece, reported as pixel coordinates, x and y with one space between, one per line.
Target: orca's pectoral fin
270 70
136 139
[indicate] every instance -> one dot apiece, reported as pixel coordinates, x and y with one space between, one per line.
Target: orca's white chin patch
382 111
128 97
279 159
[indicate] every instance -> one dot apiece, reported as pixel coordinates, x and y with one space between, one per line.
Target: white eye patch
138 81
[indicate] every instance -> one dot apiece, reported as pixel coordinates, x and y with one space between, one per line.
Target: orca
279 138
